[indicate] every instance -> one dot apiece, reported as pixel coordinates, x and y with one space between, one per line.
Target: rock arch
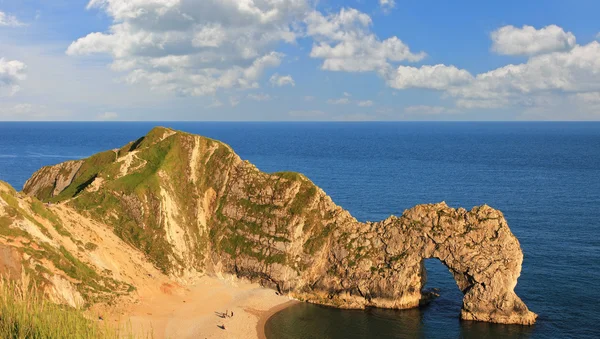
477 247
483 256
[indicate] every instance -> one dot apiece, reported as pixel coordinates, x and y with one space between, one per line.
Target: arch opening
440 289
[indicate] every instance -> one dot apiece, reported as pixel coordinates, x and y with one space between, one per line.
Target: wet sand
264 317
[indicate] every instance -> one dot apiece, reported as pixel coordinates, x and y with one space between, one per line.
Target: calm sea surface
545 177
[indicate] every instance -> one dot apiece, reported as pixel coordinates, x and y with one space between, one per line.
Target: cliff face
59 251
193 207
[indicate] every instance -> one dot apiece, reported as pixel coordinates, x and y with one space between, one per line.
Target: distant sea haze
544 177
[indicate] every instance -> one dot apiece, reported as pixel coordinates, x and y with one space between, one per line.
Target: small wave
8 155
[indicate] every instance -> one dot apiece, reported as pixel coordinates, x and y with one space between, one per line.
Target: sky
299 60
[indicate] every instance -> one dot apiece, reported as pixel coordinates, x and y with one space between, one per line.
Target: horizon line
297 121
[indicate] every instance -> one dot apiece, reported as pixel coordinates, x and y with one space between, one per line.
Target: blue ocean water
545 177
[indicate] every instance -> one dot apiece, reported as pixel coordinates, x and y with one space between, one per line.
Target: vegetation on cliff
25 313
34 241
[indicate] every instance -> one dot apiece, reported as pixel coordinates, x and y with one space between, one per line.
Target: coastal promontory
191 207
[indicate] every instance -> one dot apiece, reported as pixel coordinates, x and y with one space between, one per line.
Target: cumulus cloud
552 72
8 20
439 77
365 103
11 73
282 80
510 40
574 71
194 47
345 42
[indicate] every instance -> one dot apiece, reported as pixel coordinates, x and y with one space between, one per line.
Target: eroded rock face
194 207
51 180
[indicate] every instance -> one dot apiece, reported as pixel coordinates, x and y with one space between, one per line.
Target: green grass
289 175
25 313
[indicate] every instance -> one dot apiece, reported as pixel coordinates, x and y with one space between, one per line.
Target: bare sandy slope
162 306
194 312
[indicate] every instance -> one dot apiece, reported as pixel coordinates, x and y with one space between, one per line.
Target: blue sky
299 60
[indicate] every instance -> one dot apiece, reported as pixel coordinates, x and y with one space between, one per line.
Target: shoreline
266 315
175 311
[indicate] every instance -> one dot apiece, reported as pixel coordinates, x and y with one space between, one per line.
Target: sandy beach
196 311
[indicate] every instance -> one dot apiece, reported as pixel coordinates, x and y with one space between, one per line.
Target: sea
544 177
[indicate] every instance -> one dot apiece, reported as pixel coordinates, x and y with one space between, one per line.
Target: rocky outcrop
381 264
51 180
193 207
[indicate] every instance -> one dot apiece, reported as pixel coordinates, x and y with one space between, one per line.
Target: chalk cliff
192 207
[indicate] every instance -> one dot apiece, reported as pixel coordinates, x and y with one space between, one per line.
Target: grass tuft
25 313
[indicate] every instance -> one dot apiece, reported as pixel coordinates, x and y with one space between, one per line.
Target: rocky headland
184 206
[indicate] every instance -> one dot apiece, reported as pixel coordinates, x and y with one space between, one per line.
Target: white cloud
347 95
194 47
387 4
345 43
510 40
309 98
340 101
11 73
598 36
439 77
259 97
365 103
9 20
429 110
541 83
106 116
282 80
574 71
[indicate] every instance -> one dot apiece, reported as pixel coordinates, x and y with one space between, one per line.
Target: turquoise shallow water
545 177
